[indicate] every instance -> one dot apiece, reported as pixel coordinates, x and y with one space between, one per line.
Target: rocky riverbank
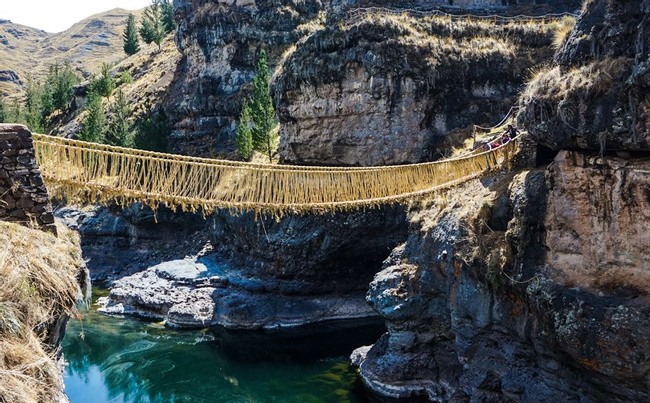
263 273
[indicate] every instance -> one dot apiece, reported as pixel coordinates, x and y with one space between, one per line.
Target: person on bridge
511 132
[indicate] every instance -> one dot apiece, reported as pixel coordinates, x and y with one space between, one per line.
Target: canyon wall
533 286
390 90
220 43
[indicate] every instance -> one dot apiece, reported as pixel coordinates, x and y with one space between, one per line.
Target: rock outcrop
494 296
220 42
534 286
117 242
265 273
595 97
389 90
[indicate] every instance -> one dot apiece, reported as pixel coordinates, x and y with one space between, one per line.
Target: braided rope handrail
354 16
94 173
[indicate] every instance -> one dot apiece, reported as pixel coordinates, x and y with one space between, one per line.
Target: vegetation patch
38 287
419 48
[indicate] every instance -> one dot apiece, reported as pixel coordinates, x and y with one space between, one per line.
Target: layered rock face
597 222
117 242
534 287
389 90
493 296
220 42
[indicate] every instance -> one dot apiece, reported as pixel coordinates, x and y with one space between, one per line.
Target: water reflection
125 360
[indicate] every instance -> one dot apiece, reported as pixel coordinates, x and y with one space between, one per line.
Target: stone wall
23 196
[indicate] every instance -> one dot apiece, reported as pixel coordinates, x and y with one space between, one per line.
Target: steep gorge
533 286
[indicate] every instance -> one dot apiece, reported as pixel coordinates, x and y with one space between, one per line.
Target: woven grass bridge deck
83 172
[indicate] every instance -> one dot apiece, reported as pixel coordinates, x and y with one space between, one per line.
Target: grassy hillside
87 44
151 70
37 286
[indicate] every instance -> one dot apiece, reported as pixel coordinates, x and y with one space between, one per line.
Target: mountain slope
87 44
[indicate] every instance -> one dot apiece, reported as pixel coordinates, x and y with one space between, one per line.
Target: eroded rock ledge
263 273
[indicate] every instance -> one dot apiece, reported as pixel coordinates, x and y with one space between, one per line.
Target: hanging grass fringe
90 173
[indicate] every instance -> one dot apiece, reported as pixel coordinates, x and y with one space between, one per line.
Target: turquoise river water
125 360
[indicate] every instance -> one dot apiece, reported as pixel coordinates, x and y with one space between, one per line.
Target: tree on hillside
92 127
167 9
33 115
117 132
104 84
152 28
261 108
4 111
58 88
244 135
152 130
130 36
15 112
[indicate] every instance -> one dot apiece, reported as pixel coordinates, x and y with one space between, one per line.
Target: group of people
508 134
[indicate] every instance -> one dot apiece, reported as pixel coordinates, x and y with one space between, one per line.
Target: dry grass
593 79
38 285
564 28
425 47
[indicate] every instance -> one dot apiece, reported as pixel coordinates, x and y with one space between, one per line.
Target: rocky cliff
595 96
389 89
533 286
220 42
357 78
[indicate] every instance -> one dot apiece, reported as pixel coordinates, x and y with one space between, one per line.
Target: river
126 360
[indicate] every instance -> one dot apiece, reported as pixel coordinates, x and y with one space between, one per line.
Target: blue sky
59 15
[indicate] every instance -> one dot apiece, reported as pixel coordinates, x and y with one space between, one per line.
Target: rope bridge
83 172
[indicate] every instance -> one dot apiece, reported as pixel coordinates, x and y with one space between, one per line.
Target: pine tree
261 108
152 28
131 45
167 10
152 130
92 127
58 88
4 111
15 114
33 117
118 133
244 135
104 84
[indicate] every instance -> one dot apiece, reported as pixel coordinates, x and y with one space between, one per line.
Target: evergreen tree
244 135
152 130
4 111
104 84
131 45
118 133
167 10
15 112
152 28
33 115
92 127
261 108
58 88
